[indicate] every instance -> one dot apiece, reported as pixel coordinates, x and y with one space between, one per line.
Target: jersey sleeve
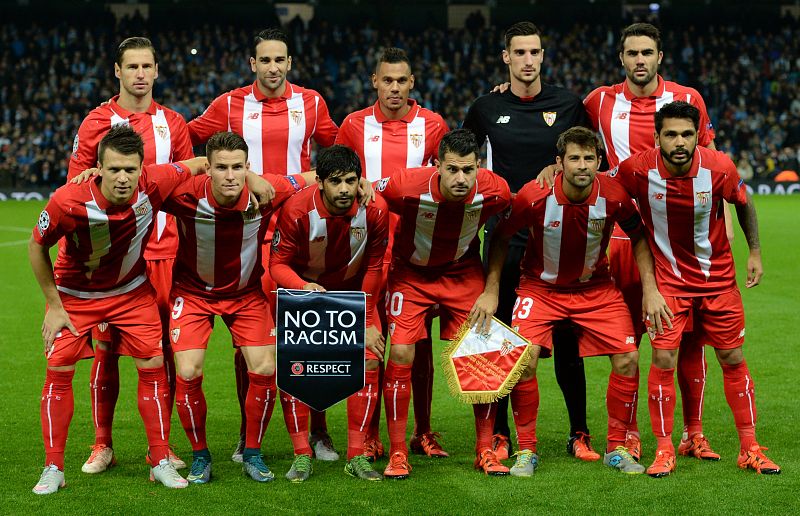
625 177
326 129
213 120
438 134
592 106
390 188
501 192
474 122
52 222
285 187
284 248
518 215
734 189
628 216
181 141
84 147
167 177
706 128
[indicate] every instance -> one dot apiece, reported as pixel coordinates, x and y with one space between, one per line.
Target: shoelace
199 465
488 458
397 460
96 450
428 440
360 463
302 463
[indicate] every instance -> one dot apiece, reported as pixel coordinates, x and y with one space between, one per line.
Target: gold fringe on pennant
472 397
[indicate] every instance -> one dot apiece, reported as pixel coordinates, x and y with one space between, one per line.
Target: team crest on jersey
703 197
43 223
416 139
103 326
276 239
175 334
358 233
506 347
75 147
161 130
596 225
143 209
296 116
549 117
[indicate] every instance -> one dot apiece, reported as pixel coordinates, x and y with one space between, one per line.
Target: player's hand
480 316
314 287
375 342
547 176
755 269
655 311
85 175
501 88
366 193
55 320
198 166
261 189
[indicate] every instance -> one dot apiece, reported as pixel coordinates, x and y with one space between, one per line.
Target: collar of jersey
241 204
659 91
561 198
124 113
287 93
381 118
319 204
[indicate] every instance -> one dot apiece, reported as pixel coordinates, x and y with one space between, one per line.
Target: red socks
661 402
153 394
741 396
374 429
191 404
259 404
58 404
422 385
484 425
242 383
621 405
692 368
525 406
360 407
295 415
397 394
104 387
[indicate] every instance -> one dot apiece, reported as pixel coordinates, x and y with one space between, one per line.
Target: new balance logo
621 116
253 116
555 224
503 119
374 139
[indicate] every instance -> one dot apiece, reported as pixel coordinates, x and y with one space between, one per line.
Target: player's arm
326 129
181 141
284 248
654 307
474 123
213 120
373 277
56 318
749 223
482 311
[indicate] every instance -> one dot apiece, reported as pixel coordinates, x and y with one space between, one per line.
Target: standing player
437 261
521 127
325 240
166 139
100 277
393 134
218 273
278 120
680 188
623 115
565 276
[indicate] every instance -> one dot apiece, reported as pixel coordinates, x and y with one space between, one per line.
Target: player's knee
371 365
664 358
528 373
402 354
626 364
730 356
149 363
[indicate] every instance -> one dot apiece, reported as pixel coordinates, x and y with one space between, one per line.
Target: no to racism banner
320 338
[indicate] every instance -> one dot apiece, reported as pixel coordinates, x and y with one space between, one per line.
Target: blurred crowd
51 76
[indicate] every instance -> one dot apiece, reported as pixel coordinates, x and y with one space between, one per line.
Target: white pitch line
15 228
15 242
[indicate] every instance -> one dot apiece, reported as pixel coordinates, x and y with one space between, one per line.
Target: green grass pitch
445 486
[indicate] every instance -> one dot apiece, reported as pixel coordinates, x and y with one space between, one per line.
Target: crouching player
218 273
100 277
436 261
565 276
325 240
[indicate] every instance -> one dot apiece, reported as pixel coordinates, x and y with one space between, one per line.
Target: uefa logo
297 369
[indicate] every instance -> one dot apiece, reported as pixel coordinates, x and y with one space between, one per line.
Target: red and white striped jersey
568 241
626 122
339 252
278 131
385 146
166 140
219 255
685 219
435 232
103 251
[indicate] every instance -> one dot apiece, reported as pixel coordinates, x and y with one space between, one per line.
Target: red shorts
247 317
268 285
625 272
159 273
411 293
599 314
717 321
134 317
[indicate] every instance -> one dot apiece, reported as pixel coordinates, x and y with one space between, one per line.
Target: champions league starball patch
43 223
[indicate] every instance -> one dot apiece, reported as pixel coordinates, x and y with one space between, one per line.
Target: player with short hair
393 134
436 261
623 115
278 120
680 188
521 127
565 276
218 273
326 240
166 139
99 277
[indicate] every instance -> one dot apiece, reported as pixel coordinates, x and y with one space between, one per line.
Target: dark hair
227 141
393 55
337 160
640 29
122 139
135 43
523 28
580 136
678 109
271 34
461 142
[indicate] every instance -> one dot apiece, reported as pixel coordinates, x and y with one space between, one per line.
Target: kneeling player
565 277
436 261
218 273
326 240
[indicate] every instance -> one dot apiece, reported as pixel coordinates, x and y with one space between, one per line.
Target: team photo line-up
154 242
